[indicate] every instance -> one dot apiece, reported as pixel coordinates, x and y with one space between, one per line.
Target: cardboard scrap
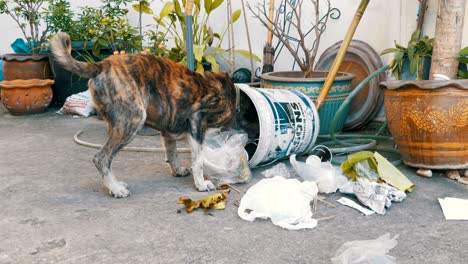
367 164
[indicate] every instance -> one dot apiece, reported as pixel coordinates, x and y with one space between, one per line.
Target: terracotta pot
26 66
429 122
23 97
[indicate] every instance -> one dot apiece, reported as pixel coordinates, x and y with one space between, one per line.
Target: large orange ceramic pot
429 122
22 97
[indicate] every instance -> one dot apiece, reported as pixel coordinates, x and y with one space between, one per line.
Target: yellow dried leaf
215 201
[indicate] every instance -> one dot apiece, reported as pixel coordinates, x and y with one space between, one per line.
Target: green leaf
235 16
214 64
144 8
103 42
167 9
414 61
198 51
398 46
199 67
411 51
208 6
462 74
215 4
415 36
463 51
390 50
462 59
248 55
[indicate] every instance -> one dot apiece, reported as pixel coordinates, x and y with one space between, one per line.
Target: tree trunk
448 36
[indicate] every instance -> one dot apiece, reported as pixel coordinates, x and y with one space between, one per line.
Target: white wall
383 22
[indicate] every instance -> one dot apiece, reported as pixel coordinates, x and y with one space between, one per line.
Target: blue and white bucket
288 123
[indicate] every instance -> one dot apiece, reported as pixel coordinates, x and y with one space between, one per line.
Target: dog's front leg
170 145
196 140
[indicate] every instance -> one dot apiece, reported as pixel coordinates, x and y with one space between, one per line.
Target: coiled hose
356 142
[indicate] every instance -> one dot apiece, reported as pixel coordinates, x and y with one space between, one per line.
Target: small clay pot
24 97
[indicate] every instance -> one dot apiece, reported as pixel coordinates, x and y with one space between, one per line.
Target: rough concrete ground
54 210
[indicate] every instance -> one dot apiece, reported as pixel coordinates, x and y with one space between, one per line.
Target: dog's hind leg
170 145
196 140
122 129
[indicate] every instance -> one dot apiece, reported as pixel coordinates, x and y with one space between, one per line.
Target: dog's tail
61 50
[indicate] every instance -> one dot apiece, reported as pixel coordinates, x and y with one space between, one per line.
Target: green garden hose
356 142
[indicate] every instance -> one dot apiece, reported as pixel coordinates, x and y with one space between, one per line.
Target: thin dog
132 90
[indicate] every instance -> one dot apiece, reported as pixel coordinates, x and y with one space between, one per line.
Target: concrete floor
54 210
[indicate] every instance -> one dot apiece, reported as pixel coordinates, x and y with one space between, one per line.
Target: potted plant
170 27
80 27
413 61
27 86
306 80
29 17
428 118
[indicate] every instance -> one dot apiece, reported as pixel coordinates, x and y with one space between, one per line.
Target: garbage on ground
454 208
327 177
225 159
353 204
80 104
279 169
215 201
375 167
285 201
366 251
377 196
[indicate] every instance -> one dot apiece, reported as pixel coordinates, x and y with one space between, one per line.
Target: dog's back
129 90
171 92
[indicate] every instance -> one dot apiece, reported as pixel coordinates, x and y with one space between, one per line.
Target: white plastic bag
80 104
366 251
225 159
279 169
328 178
285 201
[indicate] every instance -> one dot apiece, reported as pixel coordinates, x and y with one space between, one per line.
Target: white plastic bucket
288 123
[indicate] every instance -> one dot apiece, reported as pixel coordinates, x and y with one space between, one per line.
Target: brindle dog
132 90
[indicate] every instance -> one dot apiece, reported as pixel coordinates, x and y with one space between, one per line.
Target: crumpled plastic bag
328 178
225 159
366 251
80 104
377 196
285 201
279 169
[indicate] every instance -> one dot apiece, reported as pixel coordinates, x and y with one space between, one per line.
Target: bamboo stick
341 53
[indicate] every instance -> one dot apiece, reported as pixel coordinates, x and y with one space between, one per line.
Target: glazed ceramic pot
429 122
23 97
294 80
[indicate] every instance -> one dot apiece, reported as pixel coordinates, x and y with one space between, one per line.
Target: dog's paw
183 172
119 190
205 186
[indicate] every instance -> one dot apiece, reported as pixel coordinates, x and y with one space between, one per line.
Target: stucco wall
383 22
